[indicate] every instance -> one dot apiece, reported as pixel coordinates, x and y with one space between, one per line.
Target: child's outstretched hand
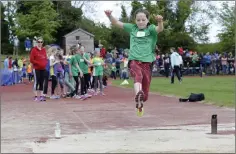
108 12
159 18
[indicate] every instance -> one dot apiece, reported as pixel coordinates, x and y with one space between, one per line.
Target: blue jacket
28 44
207 59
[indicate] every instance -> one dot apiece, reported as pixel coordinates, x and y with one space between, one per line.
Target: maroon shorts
141 72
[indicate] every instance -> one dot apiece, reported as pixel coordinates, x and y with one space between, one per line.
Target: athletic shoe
42 98
83 97
102 94
76 97
36 98
88 96
53 97
140 112
139 103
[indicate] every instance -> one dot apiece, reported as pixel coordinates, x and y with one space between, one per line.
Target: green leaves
227 19
41 20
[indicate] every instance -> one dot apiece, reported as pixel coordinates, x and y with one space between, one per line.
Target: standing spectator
38 58
34 41
167 65
10 63
195 59
16 44
6 63
224 64
103 52
175 64
28 44
180 50
207 59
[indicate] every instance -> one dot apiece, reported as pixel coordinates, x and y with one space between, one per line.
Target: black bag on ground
196 97
193 98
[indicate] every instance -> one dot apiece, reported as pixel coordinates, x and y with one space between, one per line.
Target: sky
99 15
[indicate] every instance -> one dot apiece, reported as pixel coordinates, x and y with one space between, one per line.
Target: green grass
219 91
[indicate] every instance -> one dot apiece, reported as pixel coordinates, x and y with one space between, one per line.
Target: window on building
77 37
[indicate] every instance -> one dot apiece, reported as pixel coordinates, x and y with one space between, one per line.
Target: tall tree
124 15
227 35
70 18
6 47
41 20
198 22
11 8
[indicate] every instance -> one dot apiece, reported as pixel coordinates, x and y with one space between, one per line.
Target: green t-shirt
83 64
98 69
142 42
194 58
113 68
20 63
73 61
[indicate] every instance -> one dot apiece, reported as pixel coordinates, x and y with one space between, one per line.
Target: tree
198 22
180 28
70 18
124 16
40 20
10 18
6 47
227 35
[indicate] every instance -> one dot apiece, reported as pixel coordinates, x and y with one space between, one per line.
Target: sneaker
53 97
139 103
83 97
88 96
90 90
102 94
35 98
42 98
140 112
76 97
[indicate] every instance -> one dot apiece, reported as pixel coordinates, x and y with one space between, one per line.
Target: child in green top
143 39
113 71
98 64
74 68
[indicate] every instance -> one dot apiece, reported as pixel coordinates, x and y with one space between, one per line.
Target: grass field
217 90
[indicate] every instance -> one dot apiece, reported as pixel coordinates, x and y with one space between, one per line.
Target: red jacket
38 58
103 53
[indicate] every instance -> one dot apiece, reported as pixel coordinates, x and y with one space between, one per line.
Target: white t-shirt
52 59
126 63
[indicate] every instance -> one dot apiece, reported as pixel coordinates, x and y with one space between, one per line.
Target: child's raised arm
113 20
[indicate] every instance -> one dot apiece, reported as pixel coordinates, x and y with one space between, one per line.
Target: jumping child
143 39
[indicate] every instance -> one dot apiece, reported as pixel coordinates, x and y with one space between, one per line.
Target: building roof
75 31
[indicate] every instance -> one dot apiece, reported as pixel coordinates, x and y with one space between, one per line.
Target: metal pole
214 124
